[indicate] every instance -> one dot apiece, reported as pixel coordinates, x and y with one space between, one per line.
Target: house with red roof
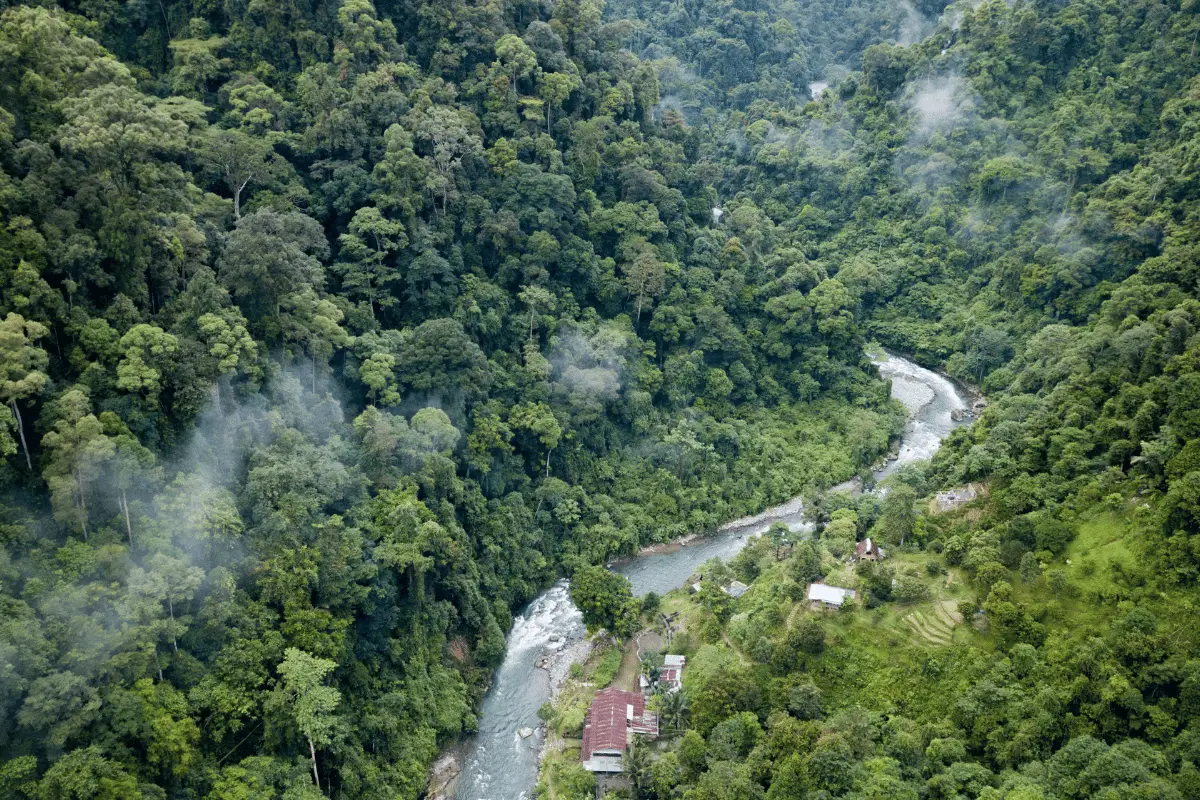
616 716
867 550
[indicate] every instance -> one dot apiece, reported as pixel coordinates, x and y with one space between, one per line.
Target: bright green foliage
229 343
306 697
77 449
605 600
146 351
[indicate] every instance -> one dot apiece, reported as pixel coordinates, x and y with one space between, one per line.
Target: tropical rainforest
332 332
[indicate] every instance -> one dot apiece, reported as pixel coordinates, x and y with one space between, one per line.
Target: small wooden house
866 550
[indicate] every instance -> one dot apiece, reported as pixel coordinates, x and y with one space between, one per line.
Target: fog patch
914 27
941 104
825 141
588 365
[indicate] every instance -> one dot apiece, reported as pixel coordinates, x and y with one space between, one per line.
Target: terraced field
935 626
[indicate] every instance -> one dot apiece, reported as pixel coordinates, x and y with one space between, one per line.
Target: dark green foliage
333 332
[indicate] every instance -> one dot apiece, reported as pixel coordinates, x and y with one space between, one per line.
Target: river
500 764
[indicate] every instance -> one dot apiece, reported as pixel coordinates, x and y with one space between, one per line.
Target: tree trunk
21 433
83 505
312 751
171 611
128 524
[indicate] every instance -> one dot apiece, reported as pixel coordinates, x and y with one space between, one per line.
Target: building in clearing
957 497
824 596
615 717
867 550
670 677
736 589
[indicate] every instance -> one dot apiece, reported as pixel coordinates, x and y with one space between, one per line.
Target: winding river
500 764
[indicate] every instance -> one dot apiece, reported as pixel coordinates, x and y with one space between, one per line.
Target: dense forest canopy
332 332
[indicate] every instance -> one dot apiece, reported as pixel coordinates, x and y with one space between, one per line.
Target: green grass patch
606 665
1102 541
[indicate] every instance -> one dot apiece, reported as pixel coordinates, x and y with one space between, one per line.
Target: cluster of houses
616 716
822 595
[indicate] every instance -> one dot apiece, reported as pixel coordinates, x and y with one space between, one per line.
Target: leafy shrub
607 666
909 589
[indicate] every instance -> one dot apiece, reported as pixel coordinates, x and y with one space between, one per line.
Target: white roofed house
670 677
822 595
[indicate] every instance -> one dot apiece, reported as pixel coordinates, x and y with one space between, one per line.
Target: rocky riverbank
443 775
558 663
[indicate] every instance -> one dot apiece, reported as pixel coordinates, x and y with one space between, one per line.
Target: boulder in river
525 733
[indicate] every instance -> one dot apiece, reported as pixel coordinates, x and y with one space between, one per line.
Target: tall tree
310 702
21 368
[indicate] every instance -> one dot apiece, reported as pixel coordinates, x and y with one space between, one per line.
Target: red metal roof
608 721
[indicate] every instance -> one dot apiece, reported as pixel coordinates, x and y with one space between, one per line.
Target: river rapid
499 763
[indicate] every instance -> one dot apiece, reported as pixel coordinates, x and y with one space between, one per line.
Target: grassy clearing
604 665
1105 542
1102 541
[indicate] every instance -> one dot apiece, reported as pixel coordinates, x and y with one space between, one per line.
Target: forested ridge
332 332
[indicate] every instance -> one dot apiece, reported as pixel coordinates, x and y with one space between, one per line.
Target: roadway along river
500 765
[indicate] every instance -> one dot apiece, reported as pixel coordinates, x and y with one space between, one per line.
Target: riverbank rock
525 733
443 776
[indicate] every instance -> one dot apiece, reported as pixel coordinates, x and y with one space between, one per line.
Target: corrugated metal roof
832 595
608 721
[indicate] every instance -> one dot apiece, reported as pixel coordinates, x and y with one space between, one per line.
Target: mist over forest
333 333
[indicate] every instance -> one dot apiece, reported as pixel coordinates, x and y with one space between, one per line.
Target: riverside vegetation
330 333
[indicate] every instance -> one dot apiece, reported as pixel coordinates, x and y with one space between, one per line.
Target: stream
501 765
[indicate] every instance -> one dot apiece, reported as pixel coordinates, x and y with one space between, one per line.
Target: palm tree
648 669
637 764
675 708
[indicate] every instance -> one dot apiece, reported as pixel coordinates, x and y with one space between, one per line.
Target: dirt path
627 675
